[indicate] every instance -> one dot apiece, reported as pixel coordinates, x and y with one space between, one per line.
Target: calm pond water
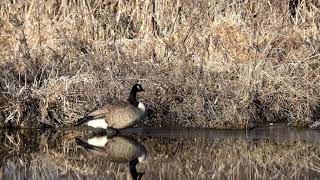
275 152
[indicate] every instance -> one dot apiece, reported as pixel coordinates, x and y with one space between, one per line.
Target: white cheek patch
142 157
141 107
98 123
98 141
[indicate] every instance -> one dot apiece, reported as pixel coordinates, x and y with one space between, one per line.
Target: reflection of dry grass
57 156
204 64
197 159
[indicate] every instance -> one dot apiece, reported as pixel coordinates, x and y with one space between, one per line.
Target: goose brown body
120 115
118 148
117 115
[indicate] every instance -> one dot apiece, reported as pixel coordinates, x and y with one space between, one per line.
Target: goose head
133 96
137 88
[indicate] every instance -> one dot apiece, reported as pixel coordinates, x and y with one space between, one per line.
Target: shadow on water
153 153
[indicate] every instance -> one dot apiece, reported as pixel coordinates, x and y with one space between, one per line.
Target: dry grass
204 64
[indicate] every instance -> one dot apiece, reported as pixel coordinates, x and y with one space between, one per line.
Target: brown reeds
206 64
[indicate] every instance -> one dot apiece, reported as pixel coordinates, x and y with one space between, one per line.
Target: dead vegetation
204 64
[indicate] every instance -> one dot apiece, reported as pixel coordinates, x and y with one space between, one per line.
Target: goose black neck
132 167
133 98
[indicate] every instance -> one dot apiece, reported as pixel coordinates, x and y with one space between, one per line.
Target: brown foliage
204 64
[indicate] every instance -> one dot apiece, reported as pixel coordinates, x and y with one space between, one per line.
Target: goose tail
84 144
84 120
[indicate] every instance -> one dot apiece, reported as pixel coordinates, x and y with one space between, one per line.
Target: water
275 152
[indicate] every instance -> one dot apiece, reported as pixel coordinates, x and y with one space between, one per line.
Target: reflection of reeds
198 159
204 64
52 155
58 156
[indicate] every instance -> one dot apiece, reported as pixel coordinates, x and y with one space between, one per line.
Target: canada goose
119 115
118 149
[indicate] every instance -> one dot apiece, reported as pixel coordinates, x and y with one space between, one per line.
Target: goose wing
103 111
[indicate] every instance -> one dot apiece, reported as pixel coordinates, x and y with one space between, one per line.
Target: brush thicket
203 64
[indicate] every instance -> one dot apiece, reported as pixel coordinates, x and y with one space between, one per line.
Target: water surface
267 152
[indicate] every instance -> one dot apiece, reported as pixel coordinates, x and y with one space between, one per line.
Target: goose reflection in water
118 149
